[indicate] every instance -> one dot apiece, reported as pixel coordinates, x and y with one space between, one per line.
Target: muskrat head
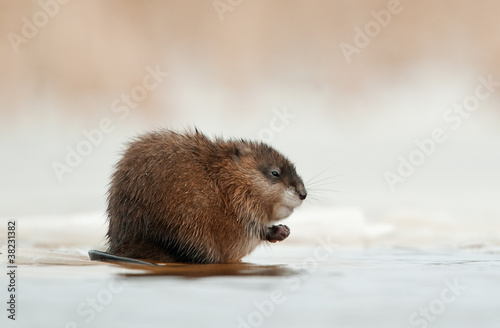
275 177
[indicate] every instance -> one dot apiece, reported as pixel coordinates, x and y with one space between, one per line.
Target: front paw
277 233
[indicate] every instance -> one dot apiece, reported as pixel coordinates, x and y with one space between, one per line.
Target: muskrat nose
301 191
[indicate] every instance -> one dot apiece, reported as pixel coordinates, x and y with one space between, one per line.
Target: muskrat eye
275 173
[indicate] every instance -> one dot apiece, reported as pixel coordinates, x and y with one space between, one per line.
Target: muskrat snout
301 191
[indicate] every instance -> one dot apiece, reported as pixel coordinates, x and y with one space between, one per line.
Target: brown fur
186 198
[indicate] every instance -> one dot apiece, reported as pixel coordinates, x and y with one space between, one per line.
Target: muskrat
183 197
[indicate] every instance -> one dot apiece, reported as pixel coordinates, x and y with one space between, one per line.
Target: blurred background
343 88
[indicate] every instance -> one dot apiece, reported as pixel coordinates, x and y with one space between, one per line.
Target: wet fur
185 198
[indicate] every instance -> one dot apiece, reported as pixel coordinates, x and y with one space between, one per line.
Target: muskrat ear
238 151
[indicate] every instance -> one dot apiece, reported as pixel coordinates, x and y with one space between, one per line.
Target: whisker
320 185
310 199
313 201
323 184
315 180
323 190
323 171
